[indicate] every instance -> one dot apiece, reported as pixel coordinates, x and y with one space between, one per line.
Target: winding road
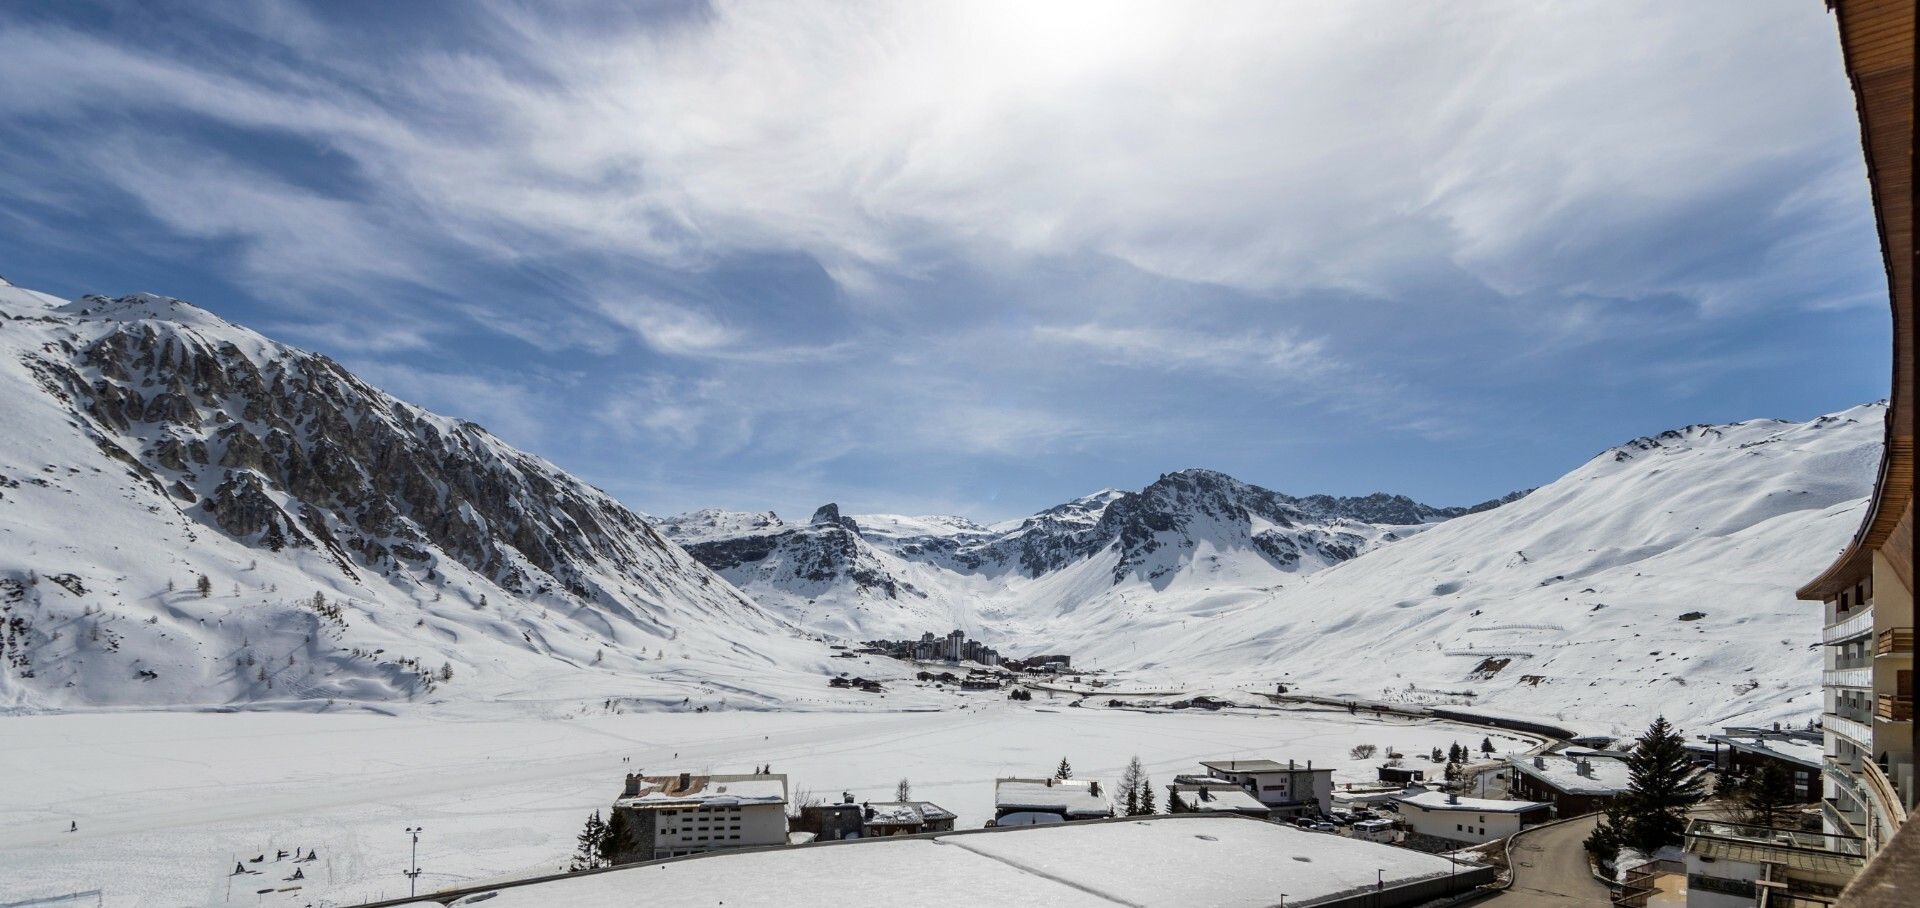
1550 869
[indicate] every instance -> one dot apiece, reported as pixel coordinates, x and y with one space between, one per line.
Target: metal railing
1793 839
1636 883
1860 676
1851 729
1856 623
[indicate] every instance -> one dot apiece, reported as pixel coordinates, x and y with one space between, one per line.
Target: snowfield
167 802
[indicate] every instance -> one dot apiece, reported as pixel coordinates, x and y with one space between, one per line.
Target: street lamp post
413 875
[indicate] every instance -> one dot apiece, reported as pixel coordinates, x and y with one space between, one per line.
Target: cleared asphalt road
1550 869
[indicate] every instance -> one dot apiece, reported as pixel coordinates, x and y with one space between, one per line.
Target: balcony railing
1790 839
1894 641
1855 624
1847 677
1893 708
1857 732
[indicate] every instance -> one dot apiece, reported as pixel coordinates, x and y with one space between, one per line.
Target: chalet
1032 802
1575 783
1288 789
671 816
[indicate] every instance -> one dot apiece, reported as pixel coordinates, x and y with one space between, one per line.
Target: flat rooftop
1248 864
668 792
1256 766
1073 797
1606 775
1437 800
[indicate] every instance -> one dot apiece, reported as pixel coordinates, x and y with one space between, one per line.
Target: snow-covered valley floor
166 802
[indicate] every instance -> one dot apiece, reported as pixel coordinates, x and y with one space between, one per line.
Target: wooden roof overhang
1877 40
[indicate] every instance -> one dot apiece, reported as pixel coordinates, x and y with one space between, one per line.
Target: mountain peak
138 307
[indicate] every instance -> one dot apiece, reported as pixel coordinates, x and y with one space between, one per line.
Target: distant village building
1799 753
871 819
830 822
880 819
1288 789
1574 784
1470 821
1402 775
1211 794
671 816
1033 802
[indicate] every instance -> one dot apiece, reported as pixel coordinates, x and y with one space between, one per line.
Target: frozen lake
166 802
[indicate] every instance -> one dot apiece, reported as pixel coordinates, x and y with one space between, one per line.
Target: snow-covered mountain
191 513
872 576
1657 576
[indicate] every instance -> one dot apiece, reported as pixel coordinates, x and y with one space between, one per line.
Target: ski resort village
1302 454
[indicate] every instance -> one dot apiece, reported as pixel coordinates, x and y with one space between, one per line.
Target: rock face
202 445
294 450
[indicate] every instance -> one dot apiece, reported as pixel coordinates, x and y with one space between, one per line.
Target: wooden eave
1877 41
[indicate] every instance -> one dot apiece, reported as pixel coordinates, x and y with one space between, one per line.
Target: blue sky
980 258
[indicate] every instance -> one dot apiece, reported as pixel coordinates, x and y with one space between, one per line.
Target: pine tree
1486 745
613 837
1764 792
1130 780
204 585
446 671
591 838
1065 771
1659 790
1147 806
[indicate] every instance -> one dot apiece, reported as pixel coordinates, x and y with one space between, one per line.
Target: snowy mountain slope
890 576
352 546
1658 576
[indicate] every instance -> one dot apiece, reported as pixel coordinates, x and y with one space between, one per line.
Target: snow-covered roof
666 792
1438 800
911 813
1229 799
1256 766
1605 775
1800 749
1071 865
1073 797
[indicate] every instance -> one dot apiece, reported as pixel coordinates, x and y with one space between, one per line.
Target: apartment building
1867 592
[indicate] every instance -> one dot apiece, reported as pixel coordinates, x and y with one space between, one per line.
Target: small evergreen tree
1147 806
204 585
1763 793
1486 745
446 671
591 838
1130 779
1065 771
613 837
1651 813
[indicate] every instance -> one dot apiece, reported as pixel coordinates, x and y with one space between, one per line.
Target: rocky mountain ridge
1144 536
153 444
